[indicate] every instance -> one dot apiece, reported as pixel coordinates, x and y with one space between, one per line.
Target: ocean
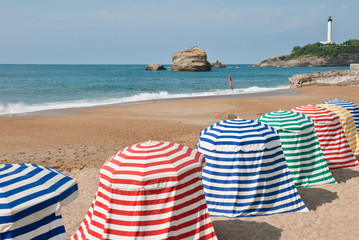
26 88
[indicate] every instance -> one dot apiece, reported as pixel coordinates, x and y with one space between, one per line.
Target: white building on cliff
329 35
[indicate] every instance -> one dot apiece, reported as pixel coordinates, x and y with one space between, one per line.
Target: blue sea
30 88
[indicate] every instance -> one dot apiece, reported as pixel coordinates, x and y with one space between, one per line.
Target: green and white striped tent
301 148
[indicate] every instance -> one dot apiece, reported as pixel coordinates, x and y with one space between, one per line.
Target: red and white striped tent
151 190
332 140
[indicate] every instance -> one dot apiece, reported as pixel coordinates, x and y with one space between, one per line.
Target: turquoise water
31 88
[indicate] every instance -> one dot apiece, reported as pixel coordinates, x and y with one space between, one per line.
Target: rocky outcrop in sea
334 77
218 64
155 67
194 59
280 61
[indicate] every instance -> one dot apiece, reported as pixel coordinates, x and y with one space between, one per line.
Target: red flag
230 81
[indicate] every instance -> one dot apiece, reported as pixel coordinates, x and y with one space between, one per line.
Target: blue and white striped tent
31 197
351 107
246 173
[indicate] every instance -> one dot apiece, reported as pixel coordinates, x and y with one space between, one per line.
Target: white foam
20 108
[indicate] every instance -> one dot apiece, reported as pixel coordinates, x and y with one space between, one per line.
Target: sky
149 32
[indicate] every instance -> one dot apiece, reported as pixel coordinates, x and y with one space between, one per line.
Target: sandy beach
79 141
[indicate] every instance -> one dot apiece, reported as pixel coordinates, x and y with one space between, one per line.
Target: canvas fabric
151 190
334 144
246 173
347 122
31 198
301 148
351 107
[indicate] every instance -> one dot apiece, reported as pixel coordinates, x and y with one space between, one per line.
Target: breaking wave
21 108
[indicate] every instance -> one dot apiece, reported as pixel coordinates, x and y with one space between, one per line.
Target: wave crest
21 108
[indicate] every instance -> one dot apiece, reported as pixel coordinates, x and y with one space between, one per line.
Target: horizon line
107 63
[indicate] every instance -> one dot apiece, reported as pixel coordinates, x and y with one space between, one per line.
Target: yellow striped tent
347 122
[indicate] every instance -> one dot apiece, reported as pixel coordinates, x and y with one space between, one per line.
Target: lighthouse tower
329 38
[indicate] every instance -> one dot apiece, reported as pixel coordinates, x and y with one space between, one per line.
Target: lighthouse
329 38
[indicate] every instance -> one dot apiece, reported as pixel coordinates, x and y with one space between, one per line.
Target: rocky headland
281 61
193 59
334 77
317 55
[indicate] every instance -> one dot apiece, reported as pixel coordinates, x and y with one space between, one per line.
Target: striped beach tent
347 122
246 173
332 140
151 190
351 107
301 148
31 197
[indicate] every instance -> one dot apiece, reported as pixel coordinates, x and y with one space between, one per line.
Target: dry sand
78 142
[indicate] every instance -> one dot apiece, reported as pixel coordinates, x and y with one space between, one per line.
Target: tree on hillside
325 50
351 42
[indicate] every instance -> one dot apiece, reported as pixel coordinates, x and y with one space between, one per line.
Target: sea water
31 88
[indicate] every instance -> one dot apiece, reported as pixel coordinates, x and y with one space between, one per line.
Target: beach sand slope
78 142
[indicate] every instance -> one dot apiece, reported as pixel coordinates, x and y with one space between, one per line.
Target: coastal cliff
194 59
334 77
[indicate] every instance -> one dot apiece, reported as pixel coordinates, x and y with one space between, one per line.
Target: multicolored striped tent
351 107
151 190
347 122
246 173
333 142
301 148
31 197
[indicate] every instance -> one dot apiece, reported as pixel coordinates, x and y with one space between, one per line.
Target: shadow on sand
315 197
344 174
238 229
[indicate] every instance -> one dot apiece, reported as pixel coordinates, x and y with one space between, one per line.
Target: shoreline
79 143
78 92
70 111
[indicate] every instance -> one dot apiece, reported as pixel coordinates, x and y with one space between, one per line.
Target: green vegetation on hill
325 50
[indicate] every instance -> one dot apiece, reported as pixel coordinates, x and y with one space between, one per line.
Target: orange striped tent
151 190
332 140
347 122
351 107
